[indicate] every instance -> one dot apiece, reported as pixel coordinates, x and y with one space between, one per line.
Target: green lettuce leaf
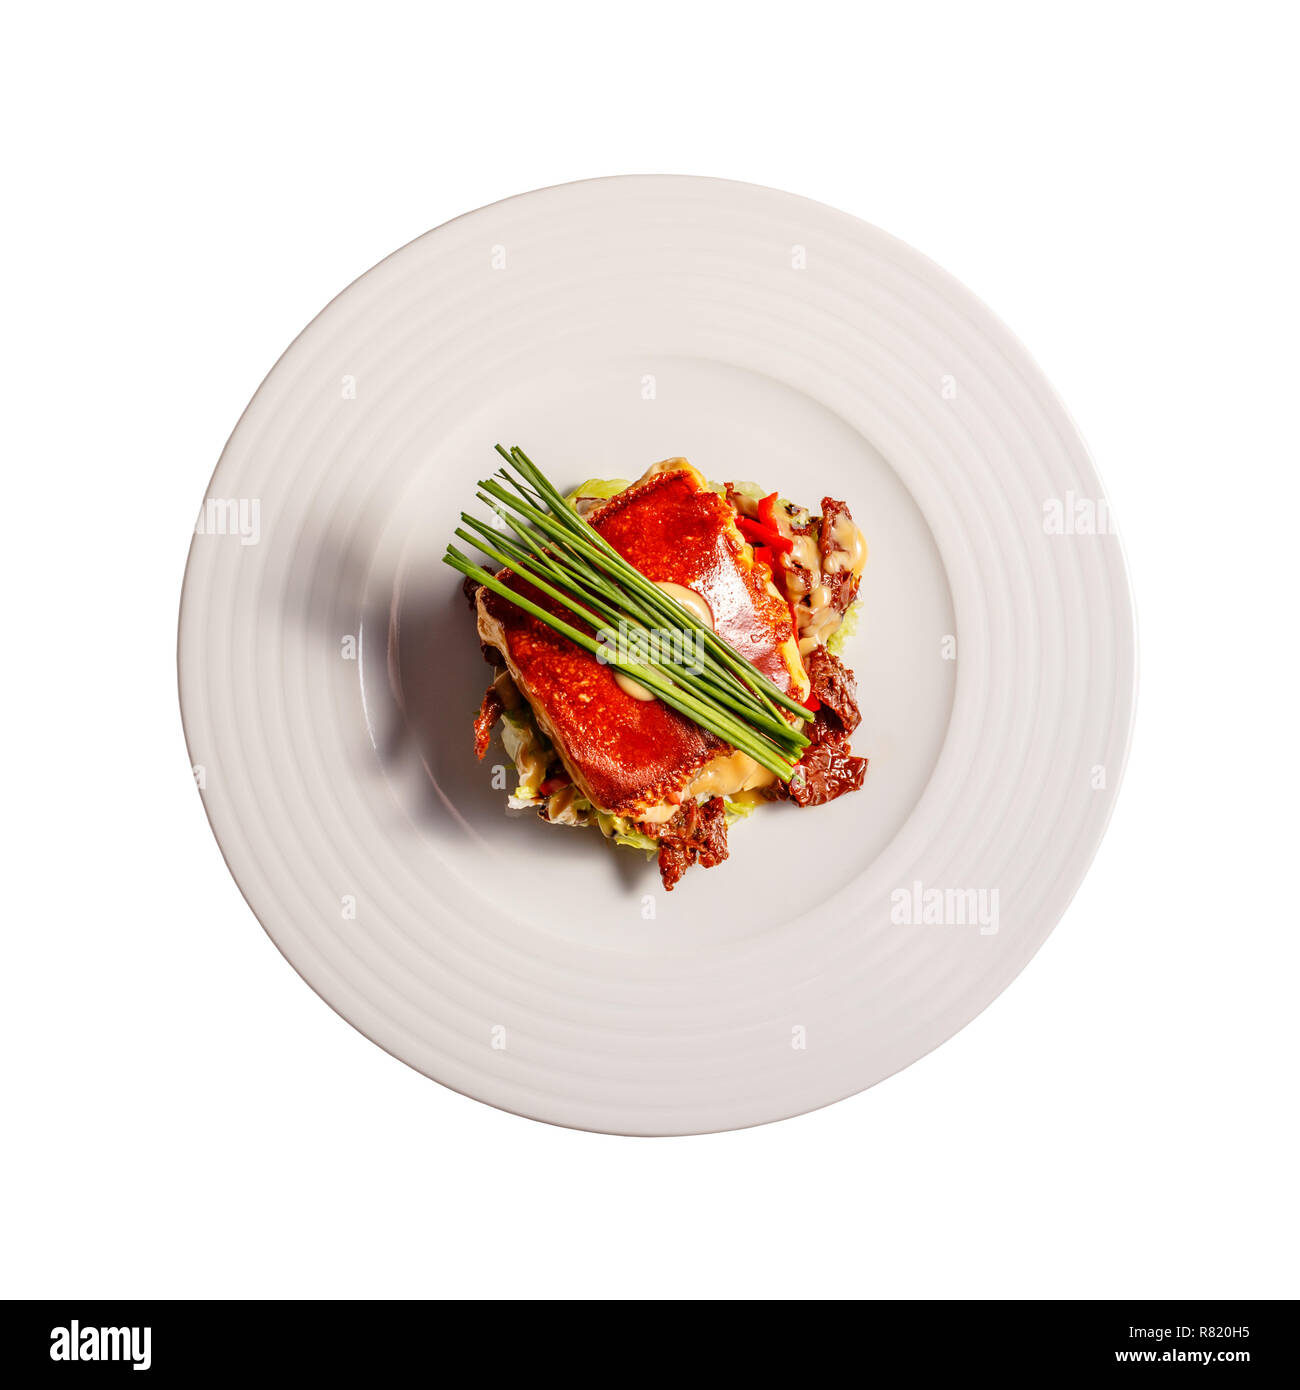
848 626
597 487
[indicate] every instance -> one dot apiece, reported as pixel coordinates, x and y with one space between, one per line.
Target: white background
184 191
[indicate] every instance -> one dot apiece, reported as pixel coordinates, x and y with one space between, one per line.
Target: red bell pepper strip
759 534
767 511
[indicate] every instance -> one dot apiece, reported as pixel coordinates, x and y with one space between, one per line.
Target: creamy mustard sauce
819 627
560 807
805 553
633 688
850 551
727 775
690 600
724 776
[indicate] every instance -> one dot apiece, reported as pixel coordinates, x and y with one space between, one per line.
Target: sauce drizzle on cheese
689 599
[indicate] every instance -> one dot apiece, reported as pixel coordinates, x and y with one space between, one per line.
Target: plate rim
1121 598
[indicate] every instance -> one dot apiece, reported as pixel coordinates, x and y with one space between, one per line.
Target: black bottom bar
173 1341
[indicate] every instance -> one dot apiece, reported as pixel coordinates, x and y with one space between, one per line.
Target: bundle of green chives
552 548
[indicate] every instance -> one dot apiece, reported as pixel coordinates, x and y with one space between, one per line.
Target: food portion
634 757
716 692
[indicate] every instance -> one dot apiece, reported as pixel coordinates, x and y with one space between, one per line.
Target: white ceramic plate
329 669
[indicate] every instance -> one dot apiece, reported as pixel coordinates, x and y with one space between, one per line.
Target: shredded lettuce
848 626
529 752
742 804
597 487
602 488
618 829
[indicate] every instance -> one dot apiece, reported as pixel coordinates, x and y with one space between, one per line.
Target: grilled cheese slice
630 756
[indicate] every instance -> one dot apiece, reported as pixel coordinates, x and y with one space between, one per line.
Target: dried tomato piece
674 859
833 684
841 583
489 713
828 770
843 589
695 832
711 833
